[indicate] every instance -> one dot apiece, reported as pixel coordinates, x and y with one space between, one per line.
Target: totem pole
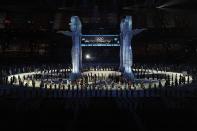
76 53
126 55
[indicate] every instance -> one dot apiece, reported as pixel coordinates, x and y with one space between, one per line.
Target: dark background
28 29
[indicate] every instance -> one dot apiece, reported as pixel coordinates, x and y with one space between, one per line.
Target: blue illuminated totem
76 53
126 55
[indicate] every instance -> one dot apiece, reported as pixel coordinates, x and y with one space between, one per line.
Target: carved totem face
126 24
75 24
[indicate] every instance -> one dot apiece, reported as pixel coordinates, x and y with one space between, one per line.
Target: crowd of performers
57 76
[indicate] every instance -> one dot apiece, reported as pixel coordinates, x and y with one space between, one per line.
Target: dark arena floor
98 114
74 65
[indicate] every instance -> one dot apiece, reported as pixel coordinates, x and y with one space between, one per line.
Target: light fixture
87 56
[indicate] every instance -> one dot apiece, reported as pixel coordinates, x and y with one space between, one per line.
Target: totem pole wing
67 33
138 31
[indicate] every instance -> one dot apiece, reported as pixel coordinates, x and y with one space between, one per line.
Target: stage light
87 56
